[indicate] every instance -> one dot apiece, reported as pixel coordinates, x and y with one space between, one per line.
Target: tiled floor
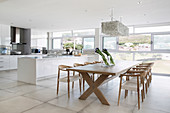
18 97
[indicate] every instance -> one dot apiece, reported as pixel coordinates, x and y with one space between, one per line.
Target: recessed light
139 2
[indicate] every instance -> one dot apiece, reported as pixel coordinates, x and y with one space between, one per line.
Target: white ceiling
80 14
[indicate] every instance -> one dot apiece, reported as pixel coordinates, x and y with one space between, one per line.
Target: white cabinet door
0 34
13 62
4 62
5 34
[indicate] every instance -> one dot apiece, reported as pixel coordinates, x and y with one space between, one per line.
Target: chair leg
72 85
73 81
68 84
143 90
142 95
146 87
126 93
120 87
148 82
80 83
138 92
58 81
150 76
138 100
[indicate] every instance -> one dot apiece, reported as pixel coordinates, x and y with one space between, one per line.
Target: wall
38 39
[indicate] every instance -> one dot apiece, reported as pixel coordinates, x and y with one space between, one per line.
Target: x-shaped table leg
94 88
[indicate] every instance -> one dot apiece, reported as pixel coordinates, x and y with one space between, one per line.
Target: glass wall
57 43
62 34
76 39
140 42
162 42
161 61
86 32
147 44
152 29
88 43
38 39
109 42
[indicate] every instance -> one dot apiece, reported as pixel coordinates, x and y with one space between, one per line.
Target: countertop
54 57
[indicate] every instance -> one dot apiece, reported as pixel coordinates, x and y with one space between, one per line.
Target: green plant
97 50
108 54
79 46
68 45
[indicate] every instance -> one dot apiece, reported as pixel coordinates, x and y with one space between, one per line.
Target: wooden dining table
113 71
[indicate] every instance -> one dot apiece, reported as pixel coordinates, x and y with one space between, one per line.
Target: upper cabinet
5 35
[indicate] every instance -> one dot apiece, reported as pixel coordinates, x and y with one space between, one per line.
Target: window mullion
117 43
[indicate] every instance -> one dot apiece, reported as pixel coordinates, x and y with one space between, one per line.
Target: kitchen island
31 69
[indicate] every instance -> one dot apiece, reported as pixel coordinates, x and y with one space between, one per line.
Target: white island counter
33 68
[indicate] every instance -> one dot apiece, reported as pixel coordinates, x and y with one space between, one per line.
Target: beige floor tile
64 86
157 100
23 89
45 94
148 111
12 77
97 107
73 103
4 80
48 108
10 84
8 73
46 83
6 95
17 104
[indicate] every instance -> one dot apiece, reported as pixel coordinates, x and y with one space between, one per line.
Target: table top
120 67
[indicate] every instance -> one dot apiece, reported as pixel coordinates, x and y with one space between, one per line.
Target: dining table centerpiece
106 62
109 57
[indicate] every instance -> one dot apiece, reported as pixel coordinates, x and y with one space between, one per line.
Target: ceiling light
114 28
139 2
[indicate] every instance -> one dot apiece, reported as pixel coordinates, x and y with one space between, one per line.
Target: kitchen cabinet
32 69
13 62
5 35
9 62
4 62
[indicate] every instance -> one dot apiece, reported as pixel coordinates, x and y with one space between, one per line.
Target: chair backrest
95 62
141 75
147 64
77 64
63 67
86 63
139 69
144 73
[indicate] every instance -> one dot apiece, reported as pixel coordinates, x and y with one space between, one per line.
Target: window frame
111 50
60 44
88 37
36 41
159 50
74 39
137 34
